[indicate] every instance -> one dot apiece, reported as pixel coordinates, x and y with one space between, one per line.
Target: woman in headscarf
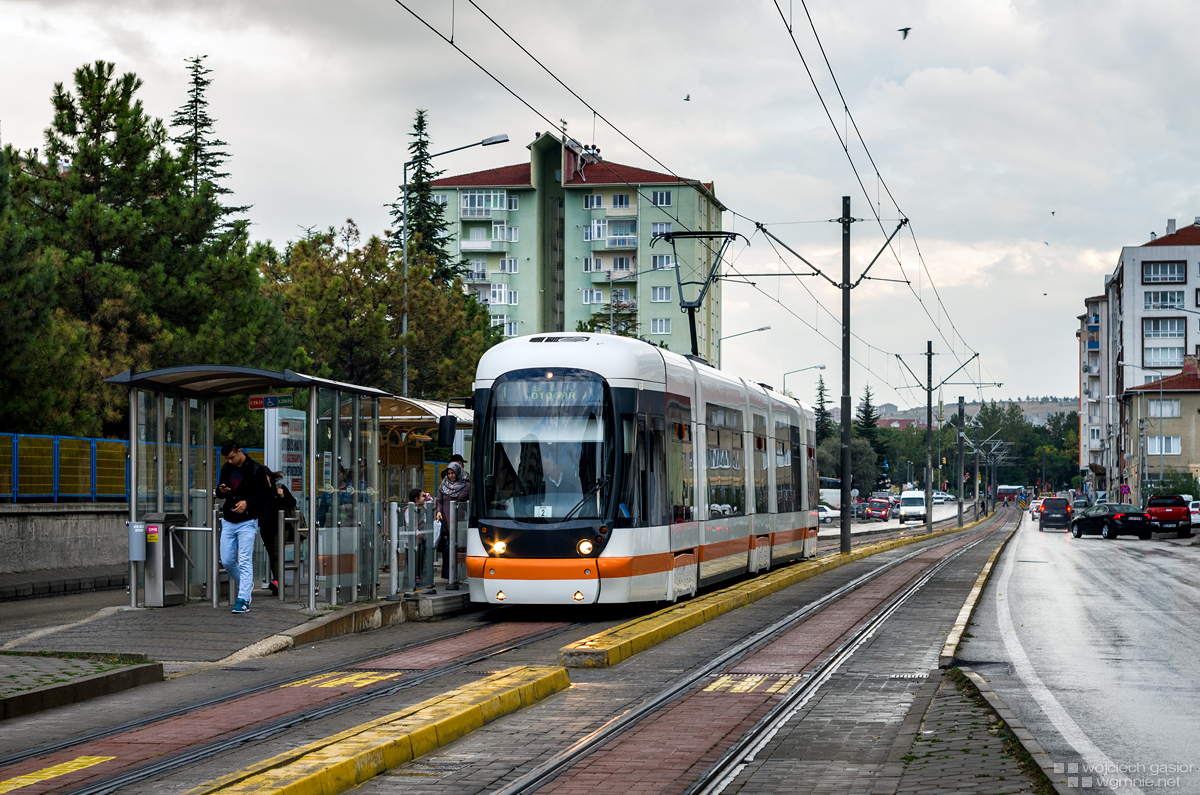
455 487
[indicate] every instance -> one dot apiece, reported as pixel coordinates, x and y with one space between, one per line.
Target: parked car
1194 510
1079 505
912 506
894 501
1056 512
1111 520
1034 508
1169 512
877 508
826 515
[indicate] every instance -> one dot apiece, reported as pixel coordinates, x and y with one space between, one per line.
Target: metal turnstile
167 560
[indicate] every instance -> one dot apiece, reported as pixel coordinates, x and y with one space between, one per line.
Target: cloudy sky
1026 141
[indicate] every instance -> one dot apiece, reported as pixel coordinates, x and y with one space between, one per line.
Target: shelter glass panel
147 452
174 487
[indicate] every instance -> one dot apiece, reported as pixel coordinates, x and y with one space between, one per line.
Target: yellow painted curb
950 650
351 757
621 642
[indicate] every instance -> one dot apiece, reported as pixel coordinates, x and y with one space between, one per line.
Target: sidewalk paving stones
54 582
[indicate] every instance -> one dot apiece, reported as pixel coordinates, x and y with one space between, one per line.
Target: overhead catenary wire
618 177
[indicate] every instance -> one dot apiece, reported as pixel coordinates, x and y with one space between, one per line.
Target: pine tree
426 228
825 427
202 152
867 419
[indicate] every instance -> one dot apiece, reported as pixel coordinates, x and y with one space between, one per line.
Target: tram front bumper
509 581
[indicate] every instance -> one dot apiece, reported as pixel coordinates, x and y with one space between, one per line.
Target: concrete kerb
1021 733
38 699
349 758
950 649
621 642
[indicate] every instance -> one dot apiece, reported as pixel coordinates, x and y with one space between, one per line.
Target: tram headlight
585 547
499 547
579 596
500 597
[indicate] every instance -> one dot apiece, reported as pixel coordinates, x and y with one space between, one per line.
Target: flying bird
688 98
1045 242
904 33
1052 212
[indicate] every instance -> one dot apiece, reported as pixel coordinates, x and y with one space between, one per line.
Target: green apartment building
553 241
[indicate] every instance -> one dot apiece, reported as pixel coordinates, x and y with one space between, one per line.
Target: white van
912 506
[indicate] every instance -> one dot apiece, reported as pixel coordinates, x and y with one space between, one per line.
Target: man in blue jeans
245 487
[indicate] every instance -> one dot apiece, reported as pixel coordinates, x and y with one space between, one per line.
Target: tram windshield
547 446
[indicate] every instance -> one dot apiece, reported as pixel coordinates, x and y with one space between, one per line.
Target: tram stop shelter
322 434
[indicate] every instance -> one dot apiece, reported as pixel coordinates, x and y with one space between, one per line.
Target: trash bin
166 559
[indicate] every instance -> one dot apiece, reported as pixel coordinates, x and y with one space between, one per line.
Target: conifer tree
867 419
426 227
203 154
825 426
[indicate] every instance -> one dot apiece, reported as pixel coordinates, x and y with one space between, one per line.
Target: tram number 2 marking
749 683
346 679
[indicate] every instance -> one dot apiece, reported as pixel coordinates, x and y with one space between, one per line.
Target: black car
1056 512
1112 520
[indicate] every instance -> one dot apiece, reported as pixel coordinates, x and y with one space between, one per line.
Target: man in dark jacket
246 490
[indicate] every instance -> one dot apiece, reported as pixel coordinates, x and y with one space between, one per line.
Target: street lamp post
495 139
802 369
731 336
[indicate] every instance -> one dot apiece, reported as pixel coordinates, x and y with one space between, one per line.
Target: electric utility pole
977 464
845 221
929 437
959 489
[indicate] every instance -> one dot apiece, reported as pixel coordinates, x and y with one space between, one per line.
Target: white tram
607 469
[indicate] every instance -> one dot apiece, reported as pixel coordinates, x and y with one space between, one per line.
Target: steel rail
113 783
138 723
551 768
735 759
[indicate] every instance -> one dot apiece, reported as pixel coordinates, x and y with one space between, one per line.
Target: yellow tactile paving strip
349 758
621 642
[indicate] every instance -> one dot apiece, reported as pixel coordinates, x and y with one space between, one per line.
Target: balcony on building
1093 345
477 213
484 245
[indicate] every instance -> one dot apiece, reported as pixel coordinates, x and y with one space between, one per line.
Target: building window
502 231
1166 407
1164 299
620 201
439 199
660 294
503 296
478 269
593 296
593 264
660 229
1169 445
514 203
620 264
1164 328
1160 272
477 233
620 295
660 325
597 231
1163 357
660 262
622 233
1094 434
509 265
480 203
661 198
592 201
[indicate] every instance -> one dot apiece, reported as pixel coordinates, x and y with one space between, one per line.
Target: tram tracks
741 752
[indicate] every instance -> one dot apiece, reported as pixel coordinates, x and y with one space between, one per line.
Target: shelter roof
221 380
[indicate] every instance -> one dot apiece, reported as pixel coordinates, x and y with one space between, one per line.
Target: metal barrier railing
34 467
415 540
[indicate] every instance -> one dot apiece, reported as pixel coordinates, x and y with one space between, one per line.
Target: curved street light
722 338
802 369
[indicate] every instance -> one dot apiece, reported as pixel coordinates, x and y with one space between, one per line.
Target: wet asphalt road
1096 646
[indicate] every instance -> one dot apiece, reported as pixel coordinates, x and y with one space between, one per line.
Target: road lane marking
47 773
1054 711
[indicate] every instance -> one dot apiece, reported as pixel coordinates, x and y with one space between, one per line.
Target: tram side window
656 473
631 513
681 476
814 491
762 451
724 459
787 472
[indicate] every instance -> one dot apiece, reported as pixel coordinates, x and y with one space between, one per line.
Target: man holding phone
246 490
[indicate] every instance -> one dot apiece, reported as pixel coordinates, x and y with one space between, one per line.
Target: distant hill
1037 410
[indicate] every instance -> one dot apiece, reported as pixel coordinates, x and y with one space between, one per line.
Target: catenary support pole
976 476
846 507
958 490
929 437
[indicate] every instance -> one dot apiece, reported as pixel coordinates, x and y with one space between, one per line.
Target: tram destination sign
270 402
